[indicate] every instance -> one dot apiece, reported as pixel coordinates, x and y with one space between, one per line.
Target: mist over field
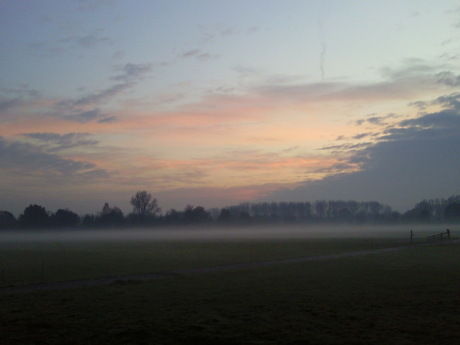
287 232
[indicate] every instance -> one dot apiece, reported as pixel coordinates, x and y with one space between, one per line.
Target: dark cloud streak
197 54
88 41
414 160
448 78
59 142
85 108
7 104
376 120
31 159
87 116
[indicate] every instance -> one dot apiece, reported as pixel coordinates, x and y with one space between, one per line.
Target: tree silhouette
196 215
110 216
34 216
244 218
65 218
452 212
7 220
225 216
173 217
144 204
88 220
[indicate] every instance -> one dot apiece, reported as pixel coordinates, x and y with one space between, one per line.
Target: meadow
406 297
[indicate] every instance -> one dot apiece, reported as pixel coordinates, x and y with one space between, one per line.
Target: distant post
42 271
411 237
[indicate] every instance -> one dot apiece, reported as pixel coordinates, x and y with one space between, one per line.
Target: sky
214 103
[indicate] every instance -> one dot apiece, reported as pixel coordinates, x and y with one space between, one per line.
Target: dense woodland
146 212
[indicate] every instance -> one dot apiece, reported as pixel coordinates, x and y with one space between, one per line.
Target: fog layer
227 234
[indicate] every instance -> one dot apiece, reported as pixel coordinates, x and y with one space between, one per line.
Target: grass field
33 258
406 297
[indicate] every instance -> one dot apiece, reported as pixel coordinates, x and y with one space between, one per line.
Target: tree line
146 212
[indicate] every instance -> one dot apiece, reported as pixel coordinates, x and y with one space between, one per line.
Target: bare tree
144 204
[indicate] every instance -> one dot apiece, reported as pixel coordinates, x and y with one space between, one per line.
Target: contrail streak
322 56
322 41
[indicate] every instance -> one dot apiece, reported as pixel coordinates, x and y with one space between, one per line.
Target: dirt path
83 283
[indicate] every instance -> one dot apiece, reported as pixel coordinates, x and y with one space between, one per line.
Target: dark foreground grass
26 263
407 297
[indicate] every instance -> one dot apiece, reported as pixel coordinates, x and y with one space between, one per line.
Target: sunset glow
222 102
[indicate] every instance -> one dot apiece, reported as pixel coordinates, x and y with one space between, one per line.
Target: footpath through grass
406 297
